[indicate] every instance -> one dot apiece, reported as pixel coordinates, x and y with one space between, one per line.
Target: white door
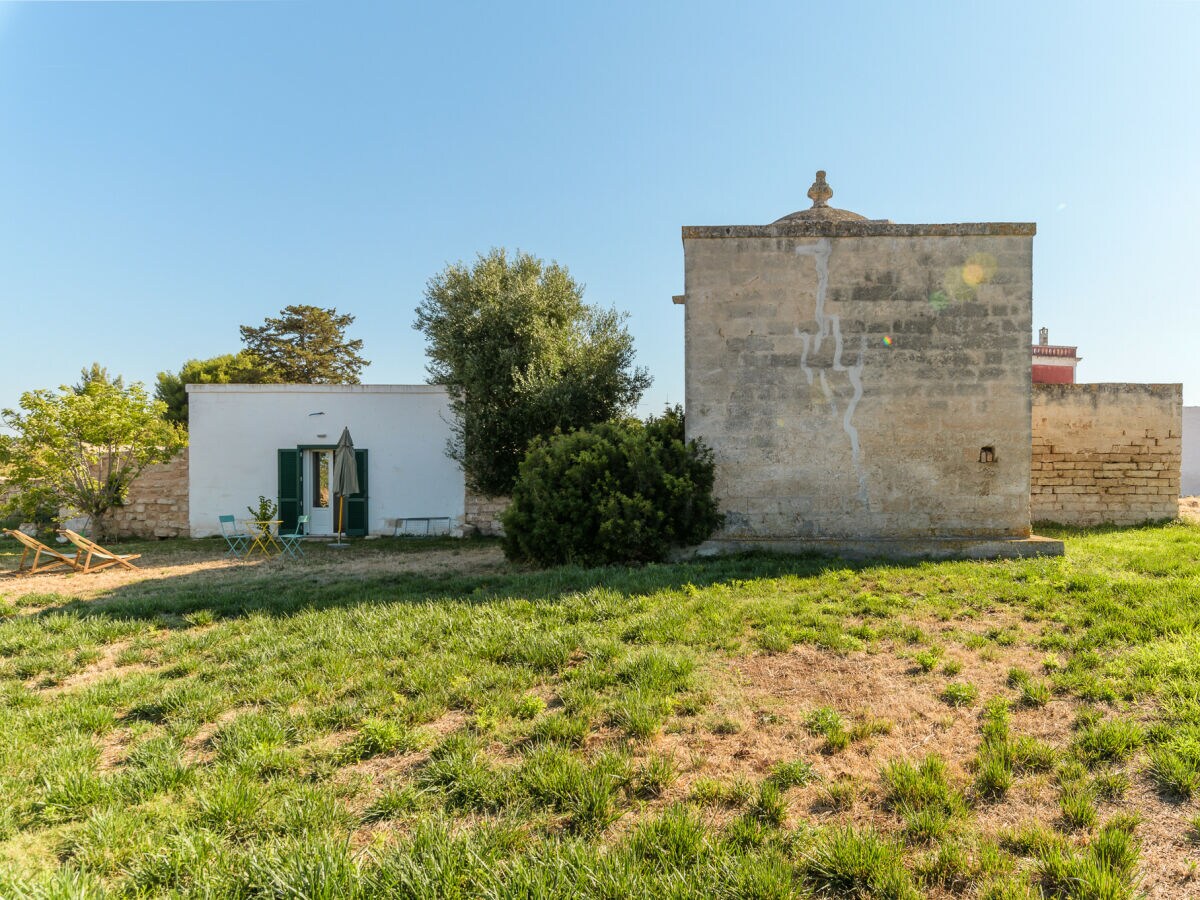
318 500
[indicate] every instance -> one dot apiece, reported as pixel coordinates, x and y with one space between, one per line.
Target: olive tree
522 355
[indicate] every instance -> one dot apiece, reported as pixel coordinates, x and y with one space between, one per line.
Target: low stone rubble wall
158 503
157 506
483 514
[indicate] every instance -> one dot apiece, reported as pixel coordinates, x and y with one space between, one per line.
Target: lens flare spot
979 269
887 340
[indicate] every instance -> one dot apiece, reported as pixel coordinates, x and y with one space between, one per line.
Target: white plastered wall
1190 481
236 432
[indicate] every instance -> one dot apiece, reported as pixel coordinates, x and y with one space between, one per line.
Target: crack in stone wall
831 325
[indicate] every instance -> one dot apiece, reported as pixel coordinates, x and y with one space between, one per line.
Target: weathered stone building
864 385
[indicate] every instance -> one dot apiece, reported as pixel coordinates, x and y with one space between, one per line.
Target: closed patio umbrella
345 478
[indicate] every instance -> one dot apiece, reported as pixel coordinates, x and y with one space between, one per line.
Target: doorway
318 502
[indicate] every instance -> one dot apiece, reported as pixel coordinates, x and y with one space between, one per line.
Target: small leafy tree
306 345
522 355
231 368
82 449
612 493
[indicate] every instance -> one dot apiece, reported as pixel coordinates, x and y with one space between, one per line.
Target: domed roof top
821 211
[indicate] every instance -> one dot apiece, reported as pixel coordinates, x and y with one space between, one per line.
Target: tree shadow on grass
287 591
1054 530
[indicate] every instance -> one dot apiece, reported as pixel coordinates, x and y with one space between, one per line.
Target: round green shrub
618 492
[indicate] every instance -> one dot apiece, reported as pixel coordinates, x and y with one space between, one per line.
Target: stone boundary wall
6 494
483 514
158 503
157 506
1106 453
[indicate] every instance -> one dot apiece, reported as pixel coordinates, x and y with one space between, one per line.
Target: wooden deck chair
54 558
89 550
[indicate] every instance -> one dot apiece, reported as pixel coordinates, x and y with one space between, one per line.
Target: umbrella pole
341 518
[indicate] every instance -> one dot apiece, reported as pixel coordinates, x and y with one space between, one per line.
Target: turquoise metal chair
238 541
291 542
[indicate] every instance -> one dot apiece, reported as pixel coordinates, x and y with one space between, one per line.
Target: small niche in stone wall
987 454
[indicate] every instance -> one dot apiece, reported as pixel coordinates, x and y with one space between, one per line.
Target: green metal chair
291 542
238 541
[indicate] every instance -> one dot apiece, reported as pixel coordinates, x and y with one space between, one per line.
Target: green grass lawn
747 727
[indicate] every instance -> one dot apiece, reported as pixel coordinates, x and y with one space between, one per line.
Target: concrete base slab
925 548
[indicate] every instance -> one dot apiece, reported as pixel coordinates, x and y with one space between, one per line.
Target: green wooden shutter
291 489
356 504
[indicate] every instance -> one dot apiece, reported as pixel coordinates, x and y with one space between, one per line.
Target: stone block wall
862 380
157 506
158 503
6 493
483 513
1106 453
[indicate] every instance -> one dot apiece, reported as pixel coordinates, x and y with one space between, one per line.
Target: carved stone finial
821 211
820 192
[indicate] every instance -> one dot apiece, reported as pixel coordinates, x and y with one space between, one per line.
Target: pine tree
96 374
306 345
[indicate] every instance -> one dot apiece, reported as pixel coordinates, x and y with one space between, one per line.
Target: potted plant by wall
263 515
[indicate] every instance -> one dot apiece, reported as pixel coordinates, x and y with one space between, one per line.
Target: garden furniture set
262 536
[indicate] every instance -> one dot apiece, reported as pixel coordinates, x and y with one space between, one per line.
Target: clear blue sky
169 171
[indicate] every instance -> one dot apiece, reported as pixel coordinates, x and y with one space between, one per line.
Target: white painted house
277 440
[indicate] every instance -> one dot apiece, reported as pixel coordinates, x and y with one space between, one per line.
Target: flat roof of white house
316 388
